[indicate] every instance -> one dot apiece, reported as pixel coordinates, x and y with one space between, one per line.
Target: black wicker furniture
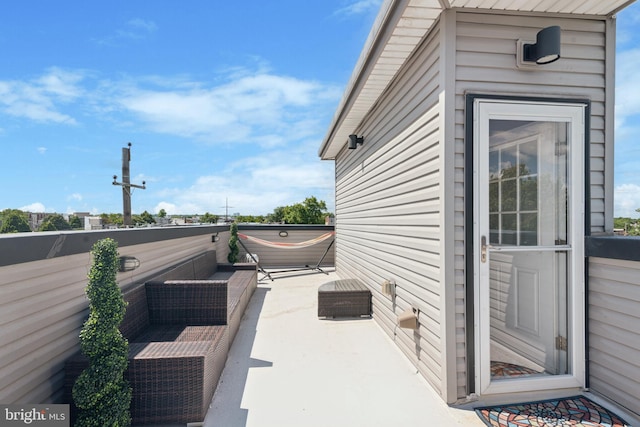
344 298
179 333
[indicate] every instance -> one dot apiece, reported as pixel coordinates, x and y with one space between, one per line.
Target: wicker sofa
180 326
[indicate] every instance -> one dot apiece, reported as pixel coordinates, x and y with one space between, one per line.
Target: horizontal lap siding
485 63
388 210
43 306
614 338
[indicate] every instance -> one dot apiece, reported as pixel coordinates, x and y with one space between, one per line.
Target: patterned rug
575 411
506 370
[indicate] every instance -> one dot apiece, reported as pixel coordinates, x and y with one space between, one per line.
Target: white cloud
359 7
75 197
257 108
33 207
626 200
134 29
142 24
627 88
169 208
40 99
42 150
254 186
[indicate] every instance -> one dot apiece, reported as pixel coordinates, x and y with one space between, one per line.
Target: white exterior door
528 234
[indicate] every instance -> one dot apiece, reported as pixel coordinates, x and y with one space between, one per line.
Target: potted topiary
101 393
233 245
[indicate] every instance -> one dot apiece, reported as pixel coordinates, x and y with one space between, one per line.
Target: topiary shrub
101 393
233 244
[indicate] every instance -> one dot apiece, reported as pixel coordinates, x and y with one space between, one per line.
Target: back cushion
205 265
187 302
136 317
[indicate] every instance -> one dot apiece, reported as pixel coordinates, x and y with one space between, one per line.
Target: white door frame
574 115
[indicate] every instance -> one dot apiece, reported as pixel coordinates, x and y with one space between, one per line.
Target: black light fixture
215 237
354 140
546 49
283 233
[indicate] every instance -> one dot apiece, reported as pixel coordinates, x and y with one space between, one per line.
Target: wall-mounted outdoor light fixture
215 238
546 48
408 319
128 263
283 233
354 140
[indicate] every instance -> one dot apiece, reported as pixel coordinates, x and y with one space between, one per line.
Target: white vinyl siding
388 208
400 206
485 63
614 338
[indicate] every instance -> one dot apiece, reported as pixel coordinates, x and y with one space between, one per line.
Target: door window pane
529 193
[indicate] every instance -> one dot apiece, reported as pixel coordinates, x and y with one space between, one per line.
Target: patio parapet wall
42 300
613 312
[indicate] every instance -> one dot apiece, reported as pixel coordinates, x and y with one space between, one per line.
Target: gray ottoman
344 298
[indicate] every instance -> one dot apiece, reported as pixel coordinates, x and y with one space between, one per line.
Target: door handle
483 249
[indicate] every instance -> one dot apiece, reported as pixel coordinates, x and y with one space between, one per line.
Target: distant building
36 219
92 223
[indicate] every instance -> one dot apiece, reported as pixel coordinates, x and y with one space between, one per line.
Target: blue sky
219 99
627 143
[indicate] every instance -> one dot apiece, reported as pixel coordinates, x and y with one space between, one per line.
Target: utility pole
126 185
226 206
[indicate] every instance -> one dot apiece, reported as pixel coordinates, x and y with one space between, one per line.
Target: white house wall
485 63
388 209
391 204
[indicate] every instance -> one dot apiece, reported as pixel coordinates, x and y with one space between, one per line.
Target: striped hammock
283 245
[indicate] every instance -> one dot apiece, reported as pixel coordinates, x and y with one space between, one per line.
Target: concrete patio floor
286 367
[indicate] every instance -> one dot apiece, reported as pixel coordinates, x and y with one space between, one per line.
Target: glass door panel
527 256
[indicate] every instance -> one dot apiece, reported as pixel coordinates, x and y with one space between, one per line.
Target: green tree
277 215
75 222
112 218
208 218
311 211
54 222
14 221
101 393
233 244
250 218
162 213
144 218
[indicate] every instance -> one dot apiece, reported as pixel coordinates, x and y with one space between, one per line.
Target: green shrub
101 393
233 244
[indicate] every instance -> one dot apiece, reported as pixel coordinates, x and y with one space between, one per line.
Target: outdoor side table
344 298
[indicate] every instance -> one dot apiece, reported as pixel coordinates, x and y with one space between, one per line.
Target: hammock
281 245
287 245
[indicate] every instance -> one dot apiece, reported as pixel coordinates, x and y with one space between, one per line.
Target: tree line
631 226
310 211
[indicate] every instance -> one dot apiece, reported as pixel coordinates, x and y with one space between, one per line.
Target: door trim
470 325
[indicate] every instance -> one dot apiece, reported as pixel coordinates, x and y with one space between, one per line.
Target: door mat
574 411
